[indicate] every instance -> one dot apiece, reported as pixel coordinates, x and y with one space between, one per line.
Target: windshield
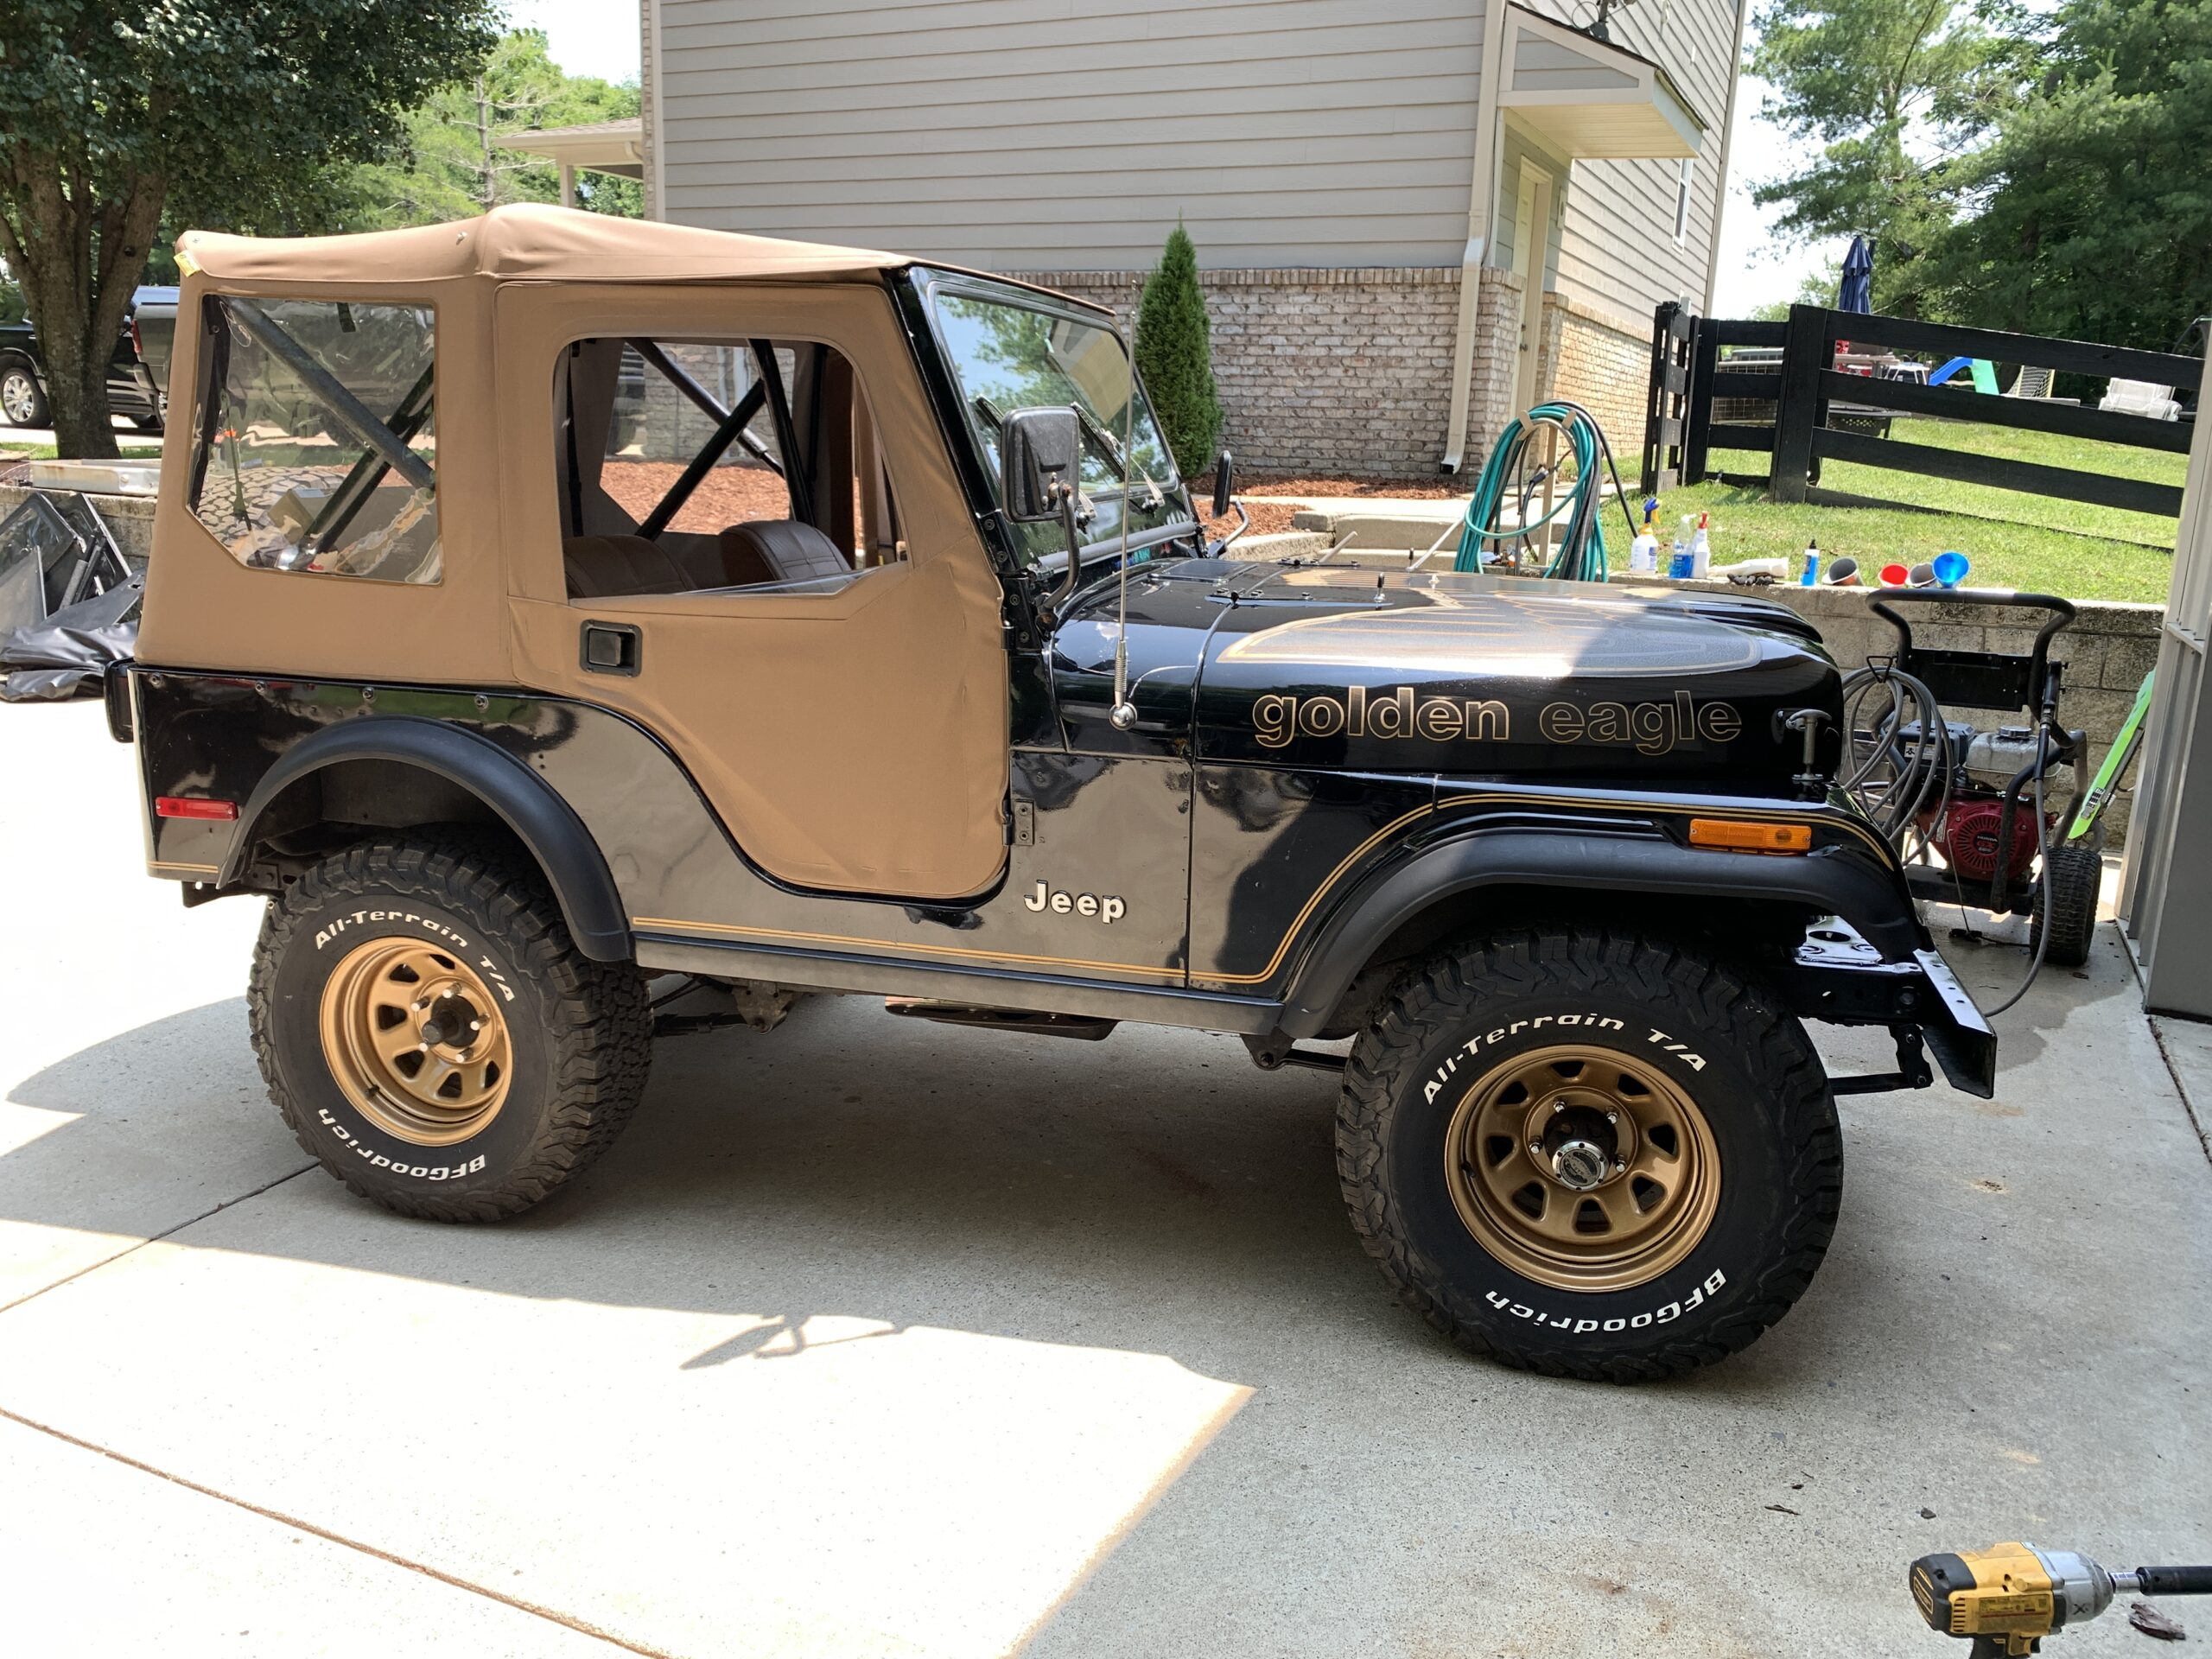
1008 356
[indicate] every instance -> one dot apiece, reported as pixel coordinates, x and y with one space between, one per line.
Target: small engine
1968 837
1993 759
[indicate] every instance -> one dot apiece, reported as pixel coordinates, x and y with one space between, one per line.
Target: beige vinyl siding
1011 135
1618 252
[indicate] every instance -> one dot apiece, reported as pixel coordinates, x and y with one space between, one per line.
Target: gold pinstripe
1306 911
158 864
894 944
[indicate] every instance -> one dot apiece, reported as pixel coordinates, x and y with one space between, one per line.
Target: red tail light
193 806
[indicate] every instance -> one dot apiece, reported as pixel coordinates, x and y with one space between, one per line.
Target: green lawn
2015 540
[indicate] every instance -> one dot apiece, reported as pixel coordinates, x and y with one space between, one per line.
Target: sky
599 37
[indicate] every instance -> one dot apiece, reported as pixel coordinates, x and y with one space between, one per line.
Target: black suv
135 390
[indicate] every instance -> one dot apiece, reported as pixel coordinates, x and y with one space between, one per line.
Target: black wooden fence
1690 378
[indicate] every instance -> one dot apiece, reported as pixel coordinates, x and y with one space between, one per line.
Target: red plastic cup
1895 575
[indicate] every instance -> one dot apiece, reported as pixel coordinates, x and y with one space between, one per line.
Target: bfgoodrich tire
432 1035
1590 1154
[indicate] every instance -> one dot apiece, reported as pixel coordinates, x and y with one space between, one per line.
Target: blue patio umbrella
1857 291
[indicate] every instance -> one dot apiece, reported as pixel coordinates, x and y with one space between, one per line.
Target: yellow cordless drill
2009 1597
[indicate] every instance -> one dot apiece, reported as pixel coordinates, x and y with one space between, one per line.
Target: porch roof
1588 97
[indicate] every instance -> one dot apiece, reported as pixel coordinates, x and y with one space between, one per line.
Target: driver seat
794 551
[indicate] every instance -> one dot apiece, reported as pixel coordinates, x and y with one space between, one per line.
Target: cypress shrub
1175 354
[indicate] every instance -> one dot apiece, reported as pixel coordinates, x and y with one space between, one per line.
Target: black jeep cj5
545 604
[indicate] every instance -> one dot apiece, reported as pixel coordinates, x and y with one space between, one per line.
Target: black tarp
65 655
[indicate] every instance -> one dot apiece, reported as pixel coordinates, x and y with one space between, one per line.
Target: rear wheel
433 1036
2064 919
1590 1154
20 400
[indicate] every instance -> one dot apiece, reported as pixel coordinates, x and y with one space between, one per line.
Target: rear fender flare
547 825
1832 881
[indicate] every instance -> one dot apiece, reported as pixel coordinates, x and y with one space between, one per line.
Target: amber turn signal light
1750 835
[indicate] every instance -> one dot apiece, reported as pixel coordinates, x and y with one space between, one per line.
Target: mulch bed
735 495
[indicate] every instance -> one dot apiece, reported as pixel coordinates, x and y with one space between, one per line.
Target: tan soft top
526 243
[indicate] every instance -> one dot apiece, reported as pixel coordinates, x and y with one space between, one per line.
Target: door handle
612 648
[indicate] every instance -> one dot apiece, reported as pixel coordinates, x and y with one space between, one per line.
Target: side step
1082 1027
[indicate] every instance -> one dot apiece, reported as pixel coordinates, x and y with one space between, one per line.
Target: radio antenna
1124 715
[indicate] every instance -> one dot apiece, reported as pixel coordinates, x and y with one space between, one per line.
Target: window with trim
315 447
1682 200
698 465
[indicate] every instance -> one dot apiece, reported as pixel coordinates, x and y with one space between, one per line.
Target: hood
1350 668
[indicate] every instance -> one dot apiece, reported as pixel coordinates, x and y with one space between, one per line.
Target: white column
1482 205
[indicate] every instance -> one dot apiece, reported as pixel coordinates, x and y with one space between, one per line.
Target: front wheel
431 1033
1590 1154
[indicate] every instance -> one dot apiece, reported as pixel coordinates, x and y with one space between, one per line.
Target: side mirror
1039 450
1221 483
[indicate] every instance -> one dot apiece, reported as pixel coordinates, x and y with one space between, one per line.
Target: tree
1175 354
451 163
111 112
1892 91
2093 209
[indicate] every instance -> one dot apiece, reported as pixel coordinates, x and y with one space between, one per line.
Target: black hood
1339 667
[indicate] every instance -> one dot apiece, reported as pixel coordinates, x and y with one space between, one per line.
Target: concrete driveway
872 1338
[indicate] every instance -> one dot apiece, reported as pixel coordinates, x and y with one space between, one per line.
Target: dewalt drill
2009 1597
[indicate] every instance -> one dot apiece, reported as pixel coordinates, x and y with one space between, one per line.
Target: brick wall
1340 370
1598 361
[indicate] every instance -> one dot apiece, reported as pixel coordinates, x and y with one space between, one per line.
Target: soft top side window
689 466
314 445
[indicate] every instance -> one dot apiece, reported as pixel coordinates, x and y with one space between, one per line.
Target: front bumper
1836 976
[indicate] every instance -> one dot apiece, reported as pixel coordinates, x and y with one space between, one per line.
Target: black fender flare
1831 881
524 802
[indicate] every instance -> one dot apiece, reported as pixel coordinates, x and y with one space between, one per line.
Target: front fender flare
545 824
1832 881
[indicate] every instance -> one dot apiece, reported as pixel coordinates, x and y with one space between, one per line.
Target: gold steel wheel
417 1041
1581 1168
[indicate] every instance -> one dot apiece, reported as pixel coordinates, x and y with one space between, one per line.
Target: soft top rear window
315 447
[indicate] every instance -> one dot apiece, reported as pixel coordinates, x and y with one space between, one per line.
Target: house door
1532 221
729 518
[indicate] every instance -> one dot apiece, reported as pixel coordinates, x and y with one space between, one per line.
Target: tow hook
1913 1071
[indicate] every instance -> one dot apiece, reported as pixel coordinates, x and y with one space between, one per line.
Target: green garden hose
1581 555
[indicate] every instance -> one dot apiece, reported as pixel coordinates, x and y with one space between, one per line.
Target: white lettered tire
1590 1153
433 1036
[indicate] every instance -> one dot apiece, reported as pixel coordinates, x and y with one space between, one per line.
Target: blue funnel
1950 569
